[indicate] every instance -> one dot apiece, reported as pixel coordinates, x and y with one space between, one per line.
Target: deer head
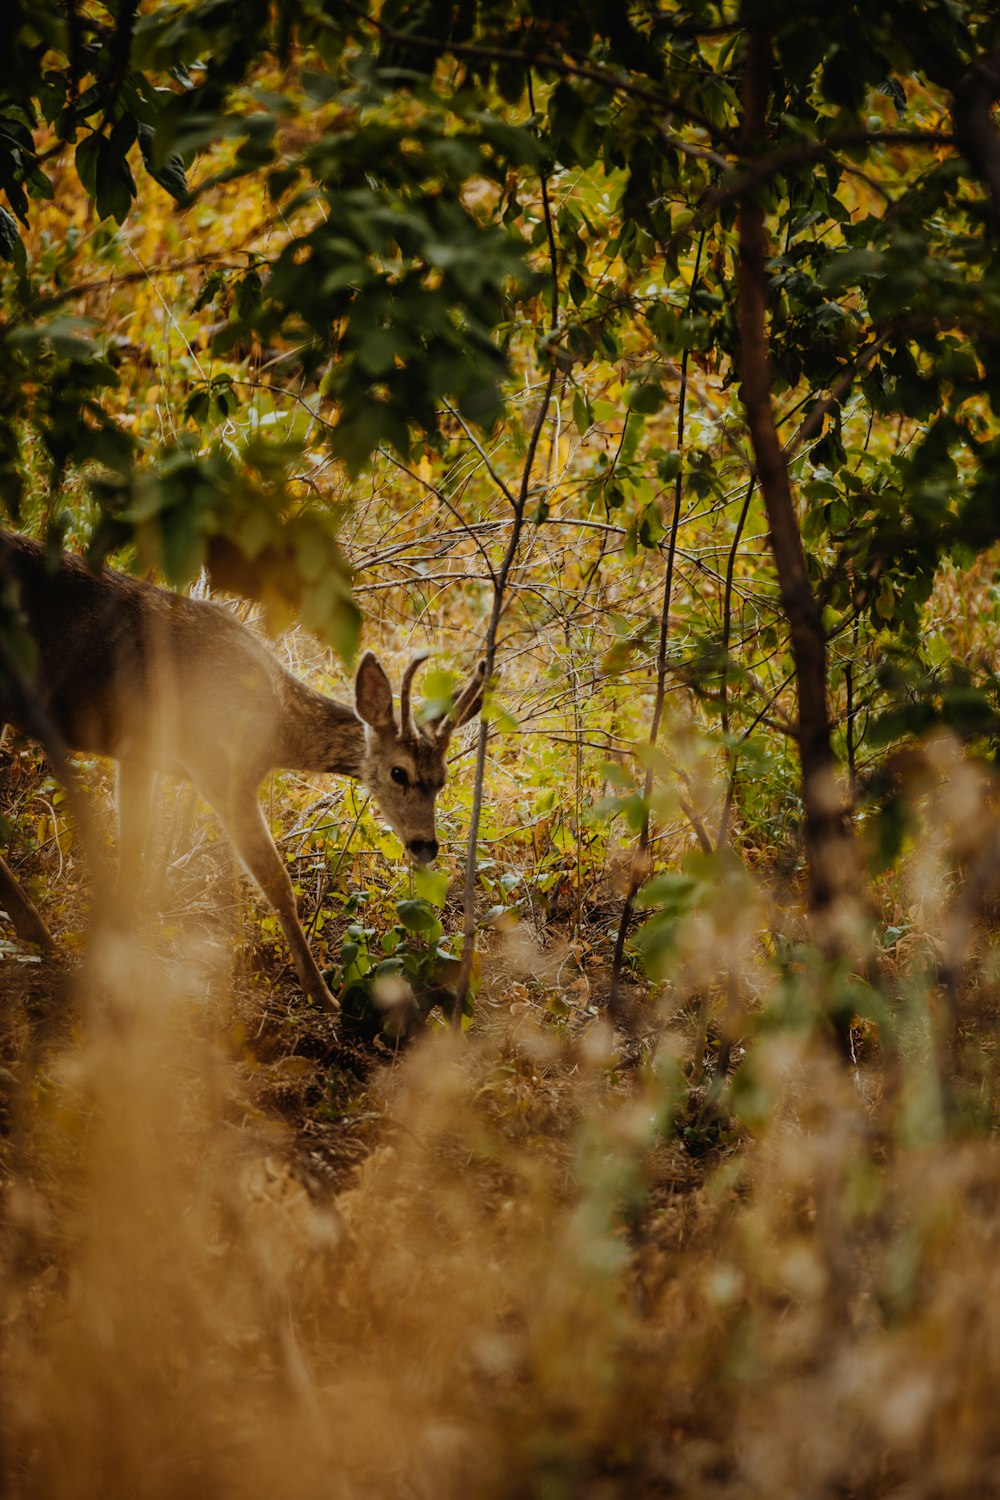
403 765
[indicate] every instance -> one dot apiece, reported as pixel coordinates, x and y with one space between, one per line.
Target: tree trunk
826 831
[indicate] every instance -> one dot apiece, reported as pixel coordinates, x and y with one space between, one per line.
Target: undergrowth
695 1255
681 1249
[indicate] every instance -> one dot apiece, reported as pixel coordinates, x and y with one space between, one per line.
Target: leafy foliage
441 207
656 346
388 985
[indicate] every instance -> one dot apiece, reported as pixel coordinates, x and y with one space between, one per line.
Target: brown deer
162 682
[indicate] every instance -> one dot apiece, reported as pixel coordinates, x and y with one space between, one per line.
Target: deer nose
424 851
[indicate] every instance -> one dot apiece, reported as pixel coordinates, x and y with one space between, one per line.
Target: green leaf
11 247
645 397
431 886
846 268
418 915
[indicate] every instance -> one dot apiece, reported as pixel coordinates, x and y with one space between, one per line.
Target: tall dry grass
532 1288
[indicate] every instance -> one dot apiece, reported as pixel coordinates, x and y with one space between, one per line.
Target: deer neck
319 734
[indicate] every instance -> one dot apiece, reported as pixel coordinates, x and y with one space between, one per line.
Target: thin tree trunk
518 505
640 860
489 654
727 626
826 831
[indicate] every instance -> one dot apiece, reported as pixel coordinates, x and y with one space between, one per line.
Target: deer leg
251 838
135 817
24 915
22 911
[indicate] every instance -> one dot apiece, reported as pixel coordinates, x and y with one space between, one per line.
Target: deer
160 681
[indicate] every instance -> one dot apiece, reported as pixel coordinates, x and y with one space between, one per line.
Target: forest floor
316 1149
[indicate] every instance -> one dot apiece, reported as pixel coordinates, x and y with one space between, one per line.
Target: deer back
128 669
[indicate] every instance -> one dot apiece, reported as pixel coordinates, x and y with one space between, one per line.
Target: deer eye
399 776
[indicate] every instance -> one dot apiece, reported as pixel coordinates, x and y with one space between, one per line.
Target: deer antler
465 705
407 722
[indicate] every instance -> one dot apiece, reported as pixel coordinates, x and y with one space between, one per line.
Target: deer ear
373 693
